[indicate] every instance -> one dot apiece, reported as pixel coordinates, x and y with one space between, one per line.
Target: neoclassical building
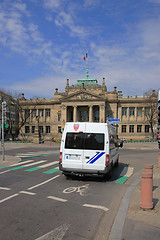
85 101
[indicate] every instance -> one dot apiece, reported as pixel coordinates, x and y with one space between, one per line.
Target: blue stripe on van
92 157
95 158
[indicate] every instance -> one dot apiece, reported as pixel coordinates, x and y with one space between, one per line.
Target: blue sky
43 42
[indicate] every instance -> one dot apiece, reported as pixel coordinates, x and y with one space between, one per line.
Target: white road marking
96 206
127 171
28 193
43 182
20 163
4 171
35 163
17 164
12 196
5 188
56 234
57 199
48 164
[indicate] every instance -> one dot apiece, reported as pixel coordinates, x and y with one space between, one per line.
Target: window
59 117
139 111
27 113
40 113
88 141
124 128
147 111
34 112
59 130
131 111
139 128
131 128
96 116
26 129
147 128
47 129
124 111
33 129
48 112
40 129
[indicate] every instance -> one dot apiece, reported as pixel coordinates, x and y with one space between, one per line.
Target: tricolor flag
86 56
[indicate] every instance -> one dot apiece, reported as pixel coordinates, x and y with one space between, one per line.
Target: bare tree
17 107
150 105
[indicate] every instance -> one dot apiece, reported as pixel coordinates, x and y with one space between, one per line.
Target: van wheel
110 172
117 162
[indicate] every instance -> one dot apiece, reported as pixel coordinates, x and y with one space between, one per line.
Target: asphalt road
38 202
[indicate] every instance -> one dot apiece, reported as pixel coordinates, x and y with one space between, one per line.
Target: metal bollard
146 191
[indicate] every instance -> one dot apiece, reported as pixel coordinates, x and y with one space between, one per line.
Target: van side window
87 141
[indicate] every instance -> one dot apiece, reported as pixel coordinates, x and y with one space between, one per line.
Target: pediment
82 96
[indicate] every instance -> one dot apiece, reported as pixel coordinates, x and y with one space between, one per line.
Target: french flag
86 56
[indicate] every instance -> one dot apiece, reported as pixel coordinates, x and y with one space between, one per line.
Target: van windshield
88 141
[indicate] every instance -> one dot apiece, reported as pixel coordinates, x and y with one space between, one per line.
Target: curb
117 227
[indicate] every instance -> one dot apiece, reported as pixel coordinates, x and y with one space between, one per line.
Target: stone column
136 113
90 113
64 115
75 114
128 114
102 113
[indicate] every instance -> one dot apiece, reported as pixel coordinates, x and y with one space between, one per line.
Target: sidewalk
8 160
143 224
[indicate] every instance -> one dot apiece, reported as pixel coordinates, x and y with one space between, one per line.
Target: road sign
114 121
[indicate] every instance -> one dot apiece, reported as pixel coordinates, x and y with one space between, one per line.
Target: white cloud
19 35
52 4
155 1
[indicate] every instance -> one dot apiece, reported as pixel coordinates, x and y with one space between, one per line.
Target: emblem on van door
76 126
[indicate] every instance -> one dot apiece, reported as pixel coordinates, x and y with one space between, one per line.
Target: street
37 201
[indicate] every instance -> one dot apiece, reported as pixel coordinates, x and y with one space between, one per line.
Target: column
75 114
128 117
90 113
64 114
102 113
136 113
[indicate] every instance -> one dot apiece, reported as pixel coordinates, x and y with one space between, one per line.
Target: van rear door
73 147
94 148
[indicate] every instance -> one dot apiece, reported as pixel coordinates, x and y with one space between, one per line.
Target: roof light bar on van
107 159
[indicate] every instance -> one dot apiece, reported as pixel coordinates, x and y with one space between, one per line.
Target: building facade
86 101
10 116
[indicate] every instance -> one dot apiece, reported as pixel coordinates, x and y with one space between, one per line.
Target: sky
43 42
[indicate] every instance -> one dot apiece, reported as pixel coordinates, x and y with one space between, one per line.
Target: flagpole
87 65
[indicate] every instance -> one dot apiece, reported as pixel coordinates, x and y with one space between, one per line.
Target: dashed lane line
12 196
5 188
28 193
96 206
40 184
57 199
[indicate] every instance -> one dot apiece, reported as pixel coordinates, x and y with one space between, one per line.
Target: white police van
88 148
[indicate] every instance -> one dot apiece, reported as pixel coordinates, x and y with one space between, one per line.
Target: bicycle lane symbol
81 190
